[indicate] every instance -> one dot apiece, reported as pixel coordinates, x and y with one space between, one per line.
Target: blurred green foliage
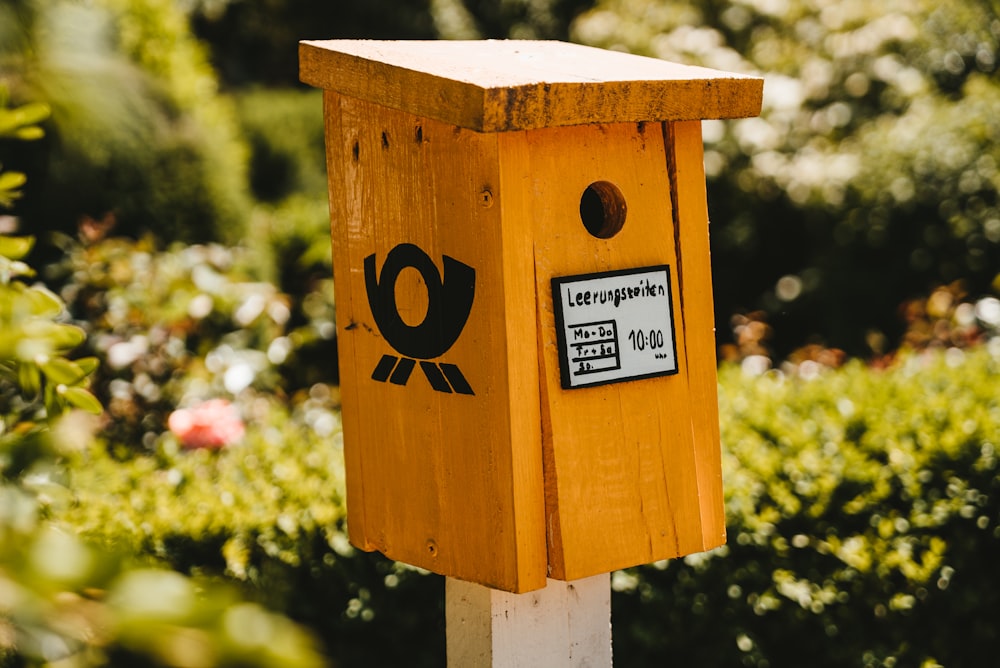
69 603
38 381
64 601
862 502
863 509
176 327
20 124
864 519
139 140
256 43
513 19
872 174
268 514
870 178
290 227
61 598
284 129
34 345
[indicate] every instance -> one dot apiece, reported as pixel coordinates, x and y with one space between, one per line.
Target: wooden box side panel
621 460
443 472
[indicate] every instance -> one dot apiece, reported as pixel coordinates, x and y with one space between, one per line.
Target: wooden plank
507 85
619 459
523 382
448 481
685 164
564 625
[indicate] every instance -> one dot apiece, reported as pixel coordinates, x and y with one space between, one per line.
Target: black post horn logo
449 302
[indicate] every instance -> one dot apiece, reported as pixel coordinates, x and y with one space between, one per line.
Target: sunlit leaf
29 379
14 120
81 398
66 337
9 184
62 371
12 269
88 364
154 595
8 343
61 557
16 248
42 302
52 400
30 134
12 180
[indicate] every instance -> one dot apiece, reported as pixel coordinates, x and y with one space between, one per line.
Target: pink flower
212 424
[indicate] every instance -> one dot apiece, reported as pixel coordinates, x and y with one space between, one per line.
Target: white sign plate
614 326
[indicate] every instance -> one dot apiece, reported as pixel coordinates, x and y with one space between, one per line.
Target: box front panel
443 472
622 440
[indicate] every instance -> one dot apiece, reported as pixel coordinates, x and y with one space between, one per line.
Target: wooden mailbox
524 303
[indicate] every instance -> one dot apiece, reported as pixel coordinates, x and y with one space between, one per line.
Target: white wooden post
565 625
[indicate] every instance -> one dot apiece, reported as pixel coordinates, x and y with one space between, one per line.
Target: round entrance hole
602 209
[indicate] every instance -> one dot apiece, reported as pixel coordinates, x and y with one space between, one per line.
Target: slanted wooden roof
504 85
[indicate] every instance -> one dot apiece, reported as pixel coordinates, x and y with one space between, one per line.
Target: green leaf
9 184
52 400
9 338
16 248
29 379
12 180
30 134
11 269
13 121
88 364
81 398
42 302
30 114
66 337
62 371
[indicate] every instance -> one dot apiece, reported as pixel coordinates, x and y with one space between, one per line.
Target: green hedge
863 525
862 505
62 600
266 513
290 229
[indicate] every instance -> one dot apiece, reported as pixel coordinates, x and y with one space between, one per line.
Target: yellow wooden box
496 207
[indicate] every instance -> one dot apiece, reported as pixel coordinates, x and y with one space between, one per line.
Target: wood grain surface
476 155
505 85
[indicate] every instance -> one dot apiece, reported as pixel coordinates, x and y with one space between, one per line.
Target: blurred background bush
871 176
175 191
139 138
869 179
